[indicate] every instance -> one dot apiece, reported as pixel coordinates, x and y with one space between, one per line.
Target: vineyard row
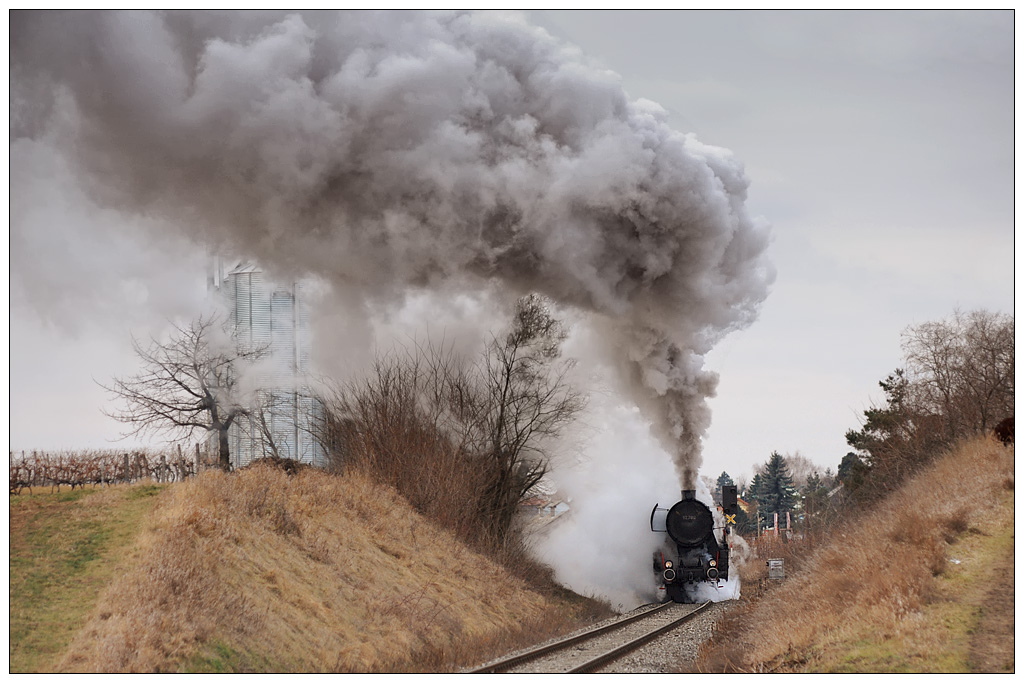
53 470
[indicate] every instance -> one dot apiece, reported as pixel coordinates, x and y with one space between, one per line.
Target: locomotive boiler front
689 522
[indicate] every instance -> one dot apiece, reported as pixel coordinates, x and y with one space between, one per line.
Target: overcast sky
879 146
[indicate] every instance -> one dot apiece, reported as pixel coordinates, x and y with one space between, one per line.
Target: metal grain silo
285 416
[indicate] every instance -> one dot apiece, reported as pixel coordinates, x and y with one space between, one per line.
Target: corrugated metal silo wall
285 415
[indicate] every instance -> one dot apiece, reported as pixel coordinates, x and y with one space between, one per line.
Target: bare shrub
956 524
912 527
925 534
384 425
463 441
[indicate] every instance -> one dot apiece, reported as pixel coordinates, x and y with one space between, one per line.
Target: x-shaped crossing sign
730 519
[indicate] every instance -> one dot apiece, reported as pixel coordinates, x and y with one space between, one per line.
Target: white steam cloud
392 152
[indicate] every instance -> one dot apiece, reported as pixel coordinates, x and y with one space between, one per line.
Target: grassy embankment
258 571
922 583
64 549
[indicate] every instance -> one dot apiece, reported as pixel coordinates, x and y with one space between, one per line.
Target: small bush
956 524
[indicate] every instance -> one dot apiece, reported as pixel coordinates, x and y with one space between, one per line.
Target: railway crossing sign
730 519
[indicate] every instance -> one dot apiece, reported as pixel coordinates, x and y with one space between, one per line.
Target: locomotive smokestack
688 495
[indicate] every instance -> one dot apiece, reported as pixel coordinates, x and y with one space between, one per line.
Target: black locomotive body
692 554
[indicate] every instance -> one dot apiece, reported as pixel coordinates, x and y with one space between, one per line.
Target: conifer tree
753 496
773 490
754 488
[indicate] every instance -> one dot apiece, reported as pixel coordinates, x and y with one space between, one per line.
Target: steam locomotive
692 553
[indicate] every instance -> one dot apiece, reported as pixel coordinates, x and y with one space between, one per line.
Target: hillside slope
921 583
262 571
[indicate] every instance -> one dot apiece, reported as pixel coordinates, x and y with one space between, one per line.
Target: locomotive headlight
713 563
668 564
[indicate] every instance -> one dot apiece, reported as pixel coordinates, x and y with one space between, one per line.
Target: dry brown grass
263 571
866 591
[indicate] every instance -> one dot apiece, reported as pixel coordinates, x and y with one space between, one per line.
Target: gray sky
879 147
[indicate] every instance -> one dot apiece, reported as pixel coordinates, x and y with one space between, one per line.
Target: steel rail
530 655
622 650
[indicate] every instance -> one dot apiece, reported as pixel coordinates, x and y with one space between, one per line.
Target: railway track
598 647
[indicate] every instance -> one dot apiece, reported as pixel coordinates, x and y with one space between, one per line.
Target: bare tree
528 400
958 381
964 369
800 468
187 383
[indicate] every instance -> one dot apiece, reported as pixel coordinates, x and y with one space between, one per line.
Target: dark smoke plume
393 151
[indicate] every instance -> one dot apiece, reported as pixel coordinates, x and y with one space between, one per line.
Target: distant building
285 417
542 511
